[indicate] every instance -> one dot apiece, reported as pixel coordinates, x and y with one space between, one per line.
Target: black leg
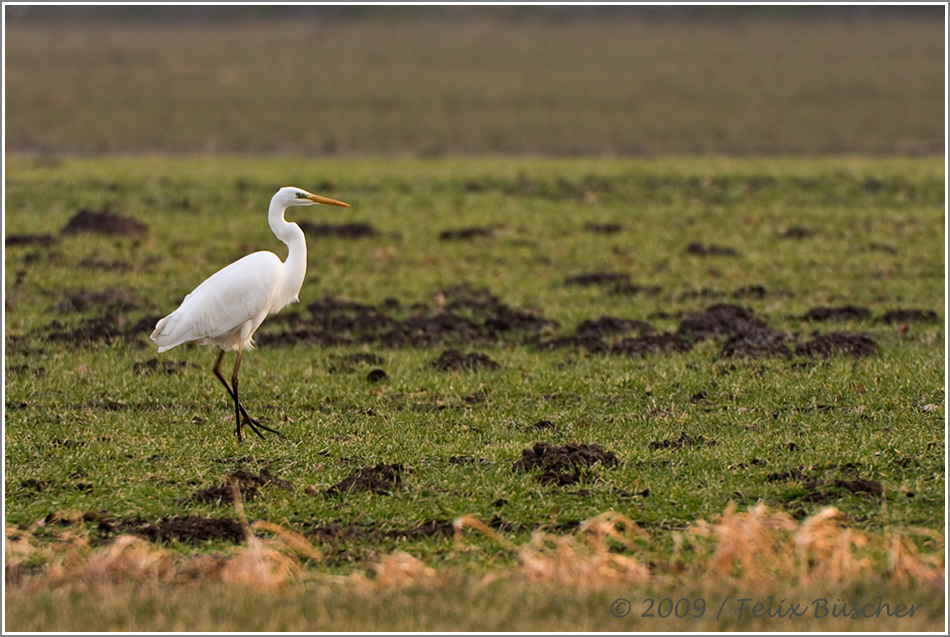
238 407
237 403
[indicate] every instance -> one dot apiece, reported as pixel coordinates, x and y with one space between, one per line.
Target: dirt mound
611 325
589 341
494 318
335 532
849 343
381 478
797 232
822 492
555 462
376 375
592 344
453 360
721 320
191 529
685 440
465 234
750 292
347 319
164 366
757 344
248 484
843 313
220 495
339 230
109 328
908 316
465 316
651 344
602 228
601 279
114 299
710 250
629 289
246 478
104 222
45 240
423 331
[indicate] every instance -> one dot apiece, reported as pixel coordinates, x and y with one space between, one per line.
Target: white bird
229 306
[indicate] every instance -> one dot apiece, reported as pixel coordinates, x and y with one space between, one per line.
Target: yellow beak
327 200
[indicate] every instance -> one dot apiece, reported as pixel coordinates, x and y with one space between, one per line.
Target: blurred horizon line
647 13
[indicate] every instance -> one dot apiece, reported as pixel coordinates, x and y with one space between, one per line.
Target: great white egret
229 306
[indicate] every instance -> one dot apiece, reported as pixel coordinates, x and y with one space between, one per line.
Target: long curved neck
295 266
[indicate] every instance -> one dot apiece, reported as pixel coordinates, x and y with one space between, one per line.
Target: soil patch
908 316
651 344
602 228
757 344
347 319
44 240
248 484
104 222
191 529
797 232
108 328
376 375
465 234
750 292
610 325
161 366
104 264
843 313
599 279
555 462
332 533
26 369
823 492
339 230
849 343
220 495
465 316
721 320
453 360
110 299
685 440
424 331
381 479
463 460
711 250
593 344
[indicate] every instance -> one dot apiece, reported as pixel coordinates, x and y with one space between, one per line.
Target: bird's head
291 196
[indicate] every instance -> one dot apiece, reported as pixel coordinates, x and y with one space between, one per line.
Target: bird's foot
255 426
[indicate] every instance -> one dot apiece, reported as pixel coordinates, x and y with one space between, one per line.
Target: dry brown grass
757 547
132 584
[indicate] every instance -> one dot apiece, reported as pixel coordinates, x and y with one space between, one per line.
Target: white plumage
229 306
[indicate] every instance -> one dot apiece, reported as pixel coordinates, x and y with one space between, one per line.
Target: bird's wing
241 292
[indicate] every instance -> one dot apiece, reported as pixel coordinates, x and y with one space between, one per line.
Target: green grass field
91 429
430 85
561 199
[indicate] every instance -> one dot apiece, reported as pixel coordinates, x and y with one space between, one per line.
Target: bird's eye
300 195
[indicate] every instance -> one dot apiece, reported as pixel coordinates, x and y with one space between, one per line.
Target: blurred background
429 81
